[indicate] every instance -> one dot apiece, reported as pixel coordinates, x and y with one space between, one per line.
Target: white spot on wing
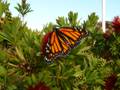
47 51
48 45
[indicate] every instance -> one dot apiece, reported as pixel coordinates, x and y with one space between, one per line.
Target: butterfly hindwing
54 47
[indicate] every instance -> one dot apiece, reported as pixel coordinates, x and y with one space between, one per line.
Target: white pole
103 15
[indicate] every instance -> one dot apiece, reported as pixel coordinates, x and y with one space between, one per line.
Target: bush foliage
93 65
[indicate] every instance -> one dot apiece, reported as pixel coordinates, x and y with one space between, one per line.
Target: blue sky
46 11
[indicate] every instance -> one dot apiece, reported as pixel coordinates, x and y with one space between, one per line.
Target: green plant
93 65
23 8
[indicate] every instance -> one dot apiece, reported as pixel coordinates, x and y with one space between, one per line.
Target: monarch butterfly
60 41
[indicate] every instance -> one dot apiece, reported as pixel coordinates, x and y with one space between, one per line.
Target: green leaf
23 8
3 71
34 79
1 8
91 23
28 80
62 21
12 87
72 17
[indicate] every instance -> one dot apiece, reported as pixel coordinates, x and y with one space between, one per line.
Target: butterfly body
60 41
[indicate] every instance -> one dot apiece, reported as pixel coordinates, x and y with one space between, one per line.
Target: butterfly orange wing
72 35
55 47
61 41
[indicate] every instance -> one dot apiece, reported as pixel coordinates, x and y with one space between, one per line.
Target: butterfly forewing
53 47
72 35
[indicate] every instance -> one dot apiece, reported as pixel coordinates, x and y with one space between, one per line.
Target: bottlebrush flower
116 24
39 86
110 82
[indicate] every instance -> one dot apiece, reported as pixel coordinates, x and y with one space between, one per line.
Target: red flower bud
110 81
39 86
116 24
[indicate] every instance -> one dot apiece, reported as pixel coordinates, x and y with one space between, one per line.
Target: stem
20 55
13 65
58 74
23 19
